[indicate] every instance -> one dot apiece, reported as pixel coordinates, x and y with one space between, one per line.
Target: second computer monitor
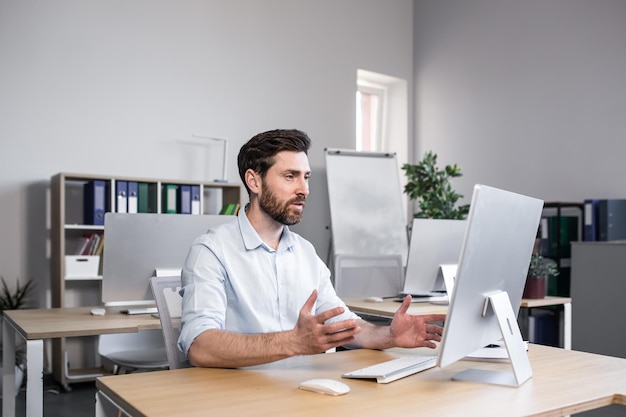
434 242
137 245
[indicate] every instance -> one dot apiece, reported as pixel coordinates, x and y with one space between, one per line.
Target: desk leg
8 369
567 326
34 378
106 407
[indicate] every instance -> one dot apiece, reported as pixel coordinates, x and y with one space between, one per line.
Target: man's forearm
222 349
372 337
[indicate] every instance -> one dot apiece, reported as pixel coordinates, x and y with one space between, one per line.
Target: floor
78 402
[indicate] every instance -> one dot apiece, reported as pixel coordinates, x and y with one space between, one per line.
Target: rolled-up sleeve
204 296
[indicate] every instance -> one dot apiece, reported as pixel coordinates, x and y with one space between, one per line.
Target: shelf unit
68 229
560 241
561 224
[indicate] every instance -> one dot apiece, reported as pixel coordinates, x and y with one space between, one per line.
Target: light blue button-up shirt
233 281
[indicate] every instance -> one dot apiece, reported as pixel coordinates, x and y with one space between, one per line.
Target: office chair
129 352
168 301
368 275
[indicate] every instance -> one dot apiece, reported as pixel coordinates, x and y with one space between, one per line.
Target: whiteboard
366 207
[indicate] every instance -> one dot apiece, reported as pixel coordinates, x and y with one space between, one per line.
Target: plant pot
535 288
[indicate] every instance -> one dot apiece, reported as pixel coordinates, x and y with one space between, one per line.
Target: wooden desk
38 324
560 386
388 307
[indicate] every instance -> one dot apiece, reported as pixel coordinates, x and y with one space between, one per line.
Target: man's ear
252 181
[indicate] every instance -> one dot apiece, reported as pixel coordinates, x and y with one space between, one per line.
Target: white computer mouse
325 386
374 299
98 311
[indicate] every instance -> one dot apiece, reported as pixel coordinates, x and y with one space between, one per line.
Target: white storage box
81 266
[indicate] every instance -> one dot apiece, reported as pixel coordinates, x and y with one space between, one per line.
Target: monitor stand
513 342
446 276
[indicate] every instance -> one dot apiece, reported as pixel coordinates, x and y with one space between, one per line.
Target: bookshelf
561 225
75 277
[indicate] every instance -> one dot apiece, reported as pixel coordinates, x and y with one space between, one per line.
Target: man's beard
279 211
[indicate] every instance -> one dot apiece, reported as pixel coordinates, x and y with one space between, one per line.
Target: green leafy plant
430 186
13 300
540 267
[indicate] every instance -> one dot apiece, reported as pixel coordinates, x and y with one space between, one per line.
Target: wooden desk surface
546 301
388 307
67 322
564 382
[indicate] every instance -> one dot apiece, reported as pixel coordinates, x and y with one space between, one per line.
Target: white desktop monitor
434 242
490 279
139 244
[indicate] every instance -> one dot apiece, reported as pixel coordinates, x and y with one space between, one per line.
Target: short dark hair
258 153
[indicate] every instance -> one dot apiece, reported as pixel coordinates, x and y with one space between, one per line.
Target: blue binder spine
94 202
133 192
184 199
121 196
195 199
611 219
590 217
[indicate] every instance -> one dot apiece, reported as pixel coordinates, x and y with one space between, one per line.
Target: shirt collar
252 240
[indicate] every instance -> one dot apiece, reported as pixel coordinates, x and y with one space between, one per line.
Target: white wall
112 86
525 95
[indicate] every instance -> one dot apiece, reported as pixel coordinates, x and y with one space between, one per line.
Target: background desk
387 309
36 325
560 386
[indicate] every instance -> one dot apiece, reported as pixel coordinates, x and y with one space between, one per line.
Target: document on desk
140 310
436 297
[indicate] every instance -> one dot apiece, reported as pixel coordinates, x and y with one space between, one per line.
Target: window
382 117
370 102
382 123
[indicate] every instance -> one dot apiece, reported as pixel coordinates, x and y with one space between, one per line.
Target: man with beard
256 292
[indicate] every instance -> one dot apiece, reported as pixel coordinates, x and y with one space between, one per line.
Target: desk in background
36 325
388 307
560 386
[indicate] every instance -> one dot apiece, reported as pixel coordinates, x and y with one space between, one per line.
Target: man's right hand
313 335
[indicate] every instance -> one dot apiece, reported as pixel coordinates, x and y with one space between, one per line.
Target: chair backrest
169 304
368 275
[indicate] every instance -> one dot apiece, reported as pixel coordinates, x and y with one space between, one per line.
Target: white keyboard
394 369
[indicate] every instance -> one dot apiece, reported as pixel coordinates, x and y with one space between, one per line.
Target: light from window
369 107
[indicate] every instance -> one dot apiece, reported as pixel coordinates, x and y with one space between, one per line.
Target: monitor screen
434 242
493 264
137 245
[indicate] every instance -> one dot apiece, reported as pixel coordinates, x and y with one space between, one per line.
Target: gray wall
113 86
528 95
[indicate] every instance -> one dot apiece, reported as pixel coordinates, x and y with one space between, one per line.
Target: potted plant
13 300
539 270
430 186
